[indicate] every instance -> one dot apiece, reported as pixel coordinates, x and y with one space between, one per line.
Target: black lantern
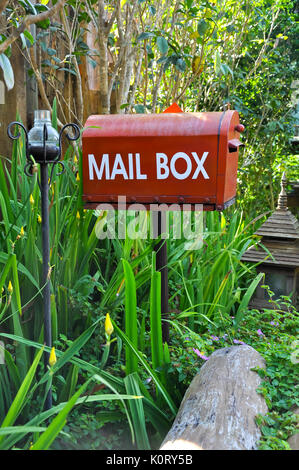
277 254
43 146
43 139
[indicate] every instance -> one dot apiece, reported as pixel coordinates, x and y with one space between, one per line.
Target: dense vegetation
105 301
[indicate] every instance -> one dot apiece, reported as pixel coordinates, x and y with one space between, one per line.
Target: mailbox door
228 154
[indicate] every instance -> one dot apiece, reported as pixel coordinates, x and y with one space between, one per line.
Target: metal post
161 265
43 143
46 266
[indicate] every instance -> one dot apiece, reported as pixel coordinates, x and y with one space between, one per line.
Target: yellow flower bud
78 215
22 233
52 358
108 325
39 219
10 288
77 177
31 199
75 159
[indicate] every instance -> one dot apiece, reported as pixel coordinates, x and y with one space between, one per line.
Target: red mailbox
172 158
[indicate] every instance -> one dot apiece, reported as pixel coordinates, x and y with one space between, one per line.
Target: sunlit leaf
217 63
162 44
202 27
7 71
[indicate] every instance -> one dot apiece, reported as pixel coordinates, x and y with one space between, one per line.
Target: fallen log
219 408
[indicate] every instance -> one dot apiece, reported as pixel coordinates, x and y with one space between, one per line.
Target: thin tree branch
40 82
29 20
75 62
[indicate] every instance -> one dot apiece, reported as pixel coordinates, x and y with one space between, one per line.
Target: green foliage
161 374
10 436
203 56
48 436
277 333
18 402
137 411
273 334
21 239
213 280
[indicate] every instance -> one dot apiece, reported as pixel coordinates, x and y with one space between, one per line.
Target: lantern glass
277 283
37 146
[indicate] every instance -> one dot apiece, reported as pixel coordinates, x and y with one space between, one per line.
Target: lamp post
43 146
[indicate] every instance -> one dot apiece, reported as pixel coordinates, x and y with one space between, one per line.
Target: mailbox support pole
161 265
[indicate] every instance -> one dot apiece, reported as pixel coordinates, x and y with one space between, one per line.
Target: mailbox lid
150 125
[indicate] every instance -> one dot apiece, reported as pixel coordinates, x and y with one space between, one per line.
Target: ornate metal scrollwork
13 136
31 166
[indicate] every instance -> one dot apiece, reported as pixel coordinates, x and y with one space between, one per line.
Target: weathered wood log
220 406
293 441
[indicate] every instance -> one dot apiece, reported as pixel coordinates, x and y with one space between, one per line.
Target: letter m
92 164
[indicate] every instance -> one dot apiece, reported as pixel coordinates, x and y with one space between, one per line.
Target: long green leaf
111 379
45 415
73 349
155 318
12 369
130 317
5 192
46 439
137 412
20 430
20 398
148 369
5 271
218 295
246 298
21 268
